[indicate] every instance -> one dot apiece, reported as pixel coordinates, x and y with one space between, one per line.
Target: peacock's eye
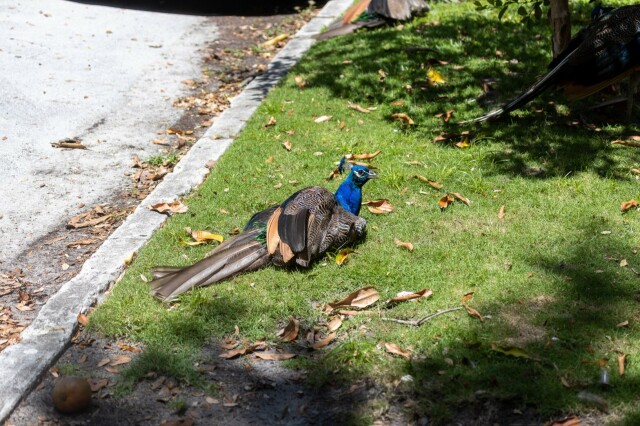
359 173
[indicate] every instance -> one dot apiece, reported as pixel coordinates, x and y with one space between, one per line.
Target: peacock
309 223
373 13
603 53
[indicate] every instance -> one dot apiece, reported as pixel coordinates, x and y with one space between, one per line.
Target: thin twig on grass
418 323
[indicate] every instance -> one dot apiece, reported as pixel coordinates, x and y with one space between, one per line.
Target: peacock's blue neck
349 195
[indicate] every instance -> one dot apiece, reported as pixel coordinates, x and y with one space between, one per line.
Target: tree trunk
560 20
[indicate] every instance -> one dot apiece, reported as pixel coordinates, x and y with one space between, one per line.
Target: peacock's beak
372 175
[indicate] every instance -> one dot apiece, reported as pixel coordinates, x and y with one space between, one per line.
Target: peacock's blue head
360 175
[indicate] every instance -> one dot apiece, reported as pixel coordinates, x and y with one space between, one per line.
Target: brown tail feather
242 253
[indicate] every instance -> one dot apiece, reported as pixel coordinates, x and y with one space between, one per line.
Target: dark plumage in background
601 54
301 229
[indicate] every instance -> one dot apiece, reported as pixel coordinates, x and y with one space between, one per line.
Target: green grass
547 277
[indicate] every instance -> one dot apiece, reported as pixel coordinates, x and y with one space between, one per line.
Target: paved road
106 75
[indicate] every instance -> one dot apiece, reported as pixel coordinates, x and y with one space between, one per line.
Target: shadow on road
196 7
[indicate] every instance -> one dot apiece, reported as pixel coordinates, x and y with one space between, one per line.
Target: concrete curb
48 336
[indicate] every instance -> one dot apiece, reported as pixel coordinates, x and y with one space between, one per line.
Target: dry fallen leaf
446 116
300 81
621 361
513 351
624 323
290 332
361 298
445 201
408 295
465 142
473 312
103 362
627 205
402 117
461 198
382 206
323 118
277 39
205 236
272 121
365 156
334 324
274 356
96 384
501 212
569 421
626 143
392 348
83 319
287 145
434 77
467 296
120 359
358 108
169 208
342 255
399 243
324 342
433 183
233 353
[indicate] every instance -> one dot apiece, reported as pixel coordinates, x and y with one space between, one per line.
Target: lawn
552 262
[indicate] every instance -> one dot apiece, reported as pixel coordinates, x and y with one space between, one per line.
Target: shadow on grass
552 136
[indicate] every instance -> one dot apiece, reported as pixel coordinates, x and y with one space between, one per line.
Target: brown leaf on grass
169 208
626 143
568 421
627 205
358 108
300 82
324 342
399 243
83 319
342 255
290 332
624 323
621 362
404 296
397 103
501 213
365 156
272 122
473 312
382 206
394 349
467 296
96 384
323 118
446 116
433 183
459 197
361 298
445 201
402 117
277 356
287 145
354 313
334 324
120 359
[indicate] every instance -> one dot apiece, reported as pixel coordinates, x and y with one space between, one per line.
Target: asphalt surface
102 74
121 121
